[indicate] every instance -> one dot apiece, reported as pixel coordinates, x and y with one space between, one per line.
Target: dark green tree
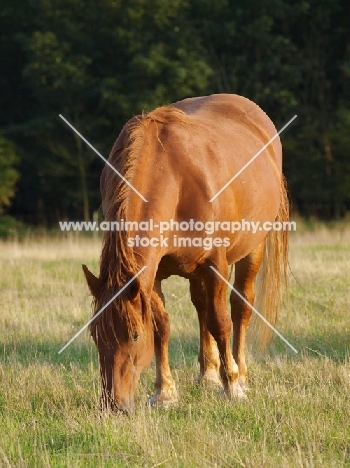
8 172
100 63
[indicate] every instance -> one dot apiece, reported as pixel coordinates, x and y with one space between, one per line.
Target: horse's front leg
208 356
220 326
165 390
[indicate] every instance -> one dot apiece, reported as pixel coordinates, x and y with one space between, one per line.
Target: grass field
298 412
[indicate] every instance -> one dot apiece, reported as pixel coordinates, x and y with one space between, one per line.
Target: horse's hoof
210 380
235 394
245 387
241 395
164 399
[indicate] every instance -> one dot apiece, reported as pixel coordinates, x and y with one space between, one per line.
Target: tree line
100 62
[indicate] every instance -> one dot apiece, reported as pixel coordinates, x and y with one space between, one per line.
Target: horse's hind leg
208 356
165 390
245 272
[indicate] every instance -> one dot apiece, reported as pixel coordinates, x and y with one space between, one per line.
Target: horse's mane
118 263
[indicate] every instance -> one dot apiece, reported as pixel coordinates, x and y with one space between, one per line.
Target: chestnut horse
178 157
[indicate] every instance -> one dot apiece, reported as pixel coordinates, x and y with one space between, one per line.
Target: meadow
298 413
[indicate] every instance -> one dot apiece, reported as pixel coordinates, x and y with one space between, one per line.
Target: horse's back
240 117
188 151
222 133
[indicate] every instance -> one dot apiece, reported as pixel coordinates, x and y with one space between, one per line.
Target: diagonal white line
251 160
104 159
101 310
254 309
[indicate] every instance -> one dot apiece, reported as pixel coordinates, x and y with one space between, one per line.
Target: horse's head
123 333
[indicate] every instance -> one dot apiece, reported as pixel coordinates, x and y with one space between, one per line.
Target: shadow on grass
183 350
30 351
334 346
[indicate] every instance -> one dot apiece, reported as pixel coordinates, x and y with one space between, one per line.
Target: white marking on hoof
210 380
245 387
235 394
241 395
163 399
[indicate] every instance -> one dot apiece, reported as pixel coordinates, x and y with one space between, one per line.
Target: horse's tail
268 287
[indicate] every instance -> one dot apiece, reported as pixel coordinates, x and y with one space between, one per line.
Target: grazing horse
178 157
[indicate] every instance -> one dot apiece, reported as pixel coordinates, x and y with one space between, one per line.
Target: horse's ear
94 283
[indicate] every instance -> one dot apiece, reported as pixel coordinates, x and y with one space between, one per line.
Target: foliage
8 172
100 64
9 226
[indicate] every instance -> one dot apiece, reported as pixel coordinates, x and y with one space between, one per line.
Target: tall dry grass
299 405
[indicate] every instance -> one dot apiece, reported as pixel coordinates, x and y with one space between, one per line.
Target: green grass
299 405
